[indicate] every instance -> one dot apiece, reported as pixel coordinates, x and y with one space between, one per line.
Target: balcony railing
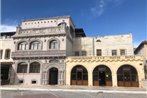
49 53
41 31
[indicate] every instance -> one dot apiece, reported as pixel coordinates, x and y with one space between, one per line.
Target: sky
96 17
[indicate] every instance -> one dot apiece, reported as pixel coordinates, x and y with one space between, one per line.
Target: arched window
35 45
79 75
7 54
22 67
127 76
22 46
53 44
34 67
62 24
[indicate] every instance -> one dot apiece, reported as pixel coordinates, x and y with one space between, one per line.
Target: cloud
100 6
98 9
7 28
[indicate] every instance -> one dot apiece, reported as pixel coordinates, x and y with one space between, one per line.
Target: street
65 94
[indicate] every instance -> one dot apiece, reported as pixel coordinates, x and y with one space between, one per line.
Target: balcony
41 31
49 53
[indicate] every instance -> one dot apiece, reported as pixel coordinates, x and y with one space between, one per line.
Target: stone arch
35 67
127 76
53 61
62 24
79 75
102 76
22 47
50 42
53 75
22 67
38 45
35 61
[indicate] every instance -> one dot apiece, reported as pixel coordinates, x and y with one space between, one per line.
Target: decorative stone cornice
103 58
50 31
38 54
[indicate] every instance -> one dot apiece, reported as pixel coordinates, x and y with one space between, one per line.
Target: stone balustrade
41 31
22 54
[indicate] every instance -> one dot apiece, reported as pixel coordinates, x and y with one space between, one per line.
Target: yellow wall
112 62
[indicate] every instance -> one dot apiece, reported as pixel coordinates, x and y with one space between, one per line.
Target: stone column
114 79
61 77
28 68
12 74
67 77
141 76
46 77
43 78
90 79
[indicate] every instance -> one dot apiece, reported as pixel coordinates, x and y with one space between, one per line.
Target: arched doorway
127 76
102 76
79 75
53 76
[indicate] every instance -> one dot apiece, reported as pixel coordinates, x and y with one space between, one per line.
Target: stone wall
105 43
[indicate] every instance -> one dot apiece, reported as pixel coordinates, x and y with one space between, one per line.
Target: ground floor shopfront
38 72
123 71
6 70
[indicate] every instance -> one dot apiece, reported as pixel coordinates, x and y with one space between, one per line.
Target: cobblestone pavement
61 94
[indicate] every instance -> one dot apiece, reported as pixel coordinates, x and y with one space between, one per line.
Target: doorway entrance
79 75
127 76
102 81
102 76
53 76
5 74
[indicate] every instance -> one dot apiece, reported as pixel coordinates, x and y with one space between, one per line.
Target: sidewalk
133 90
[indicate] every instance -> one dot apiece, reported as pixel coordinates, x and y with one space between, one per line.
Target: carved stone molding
38 54
104 59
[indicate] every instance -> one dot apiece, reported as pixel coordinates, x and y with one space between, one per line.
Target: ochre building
124 71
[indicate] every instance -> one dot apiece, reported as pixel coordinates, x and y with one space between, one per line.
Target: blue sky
96 17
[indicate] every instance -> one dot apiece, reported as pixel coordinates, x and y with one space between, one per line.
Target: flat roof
56 17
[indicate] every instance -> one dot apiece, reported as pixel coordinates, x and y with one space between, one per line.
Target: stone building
142 50
6 48
41 45
52 51
104 61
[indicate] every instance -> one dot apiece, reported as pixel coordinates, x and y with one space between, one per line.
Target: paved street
65 94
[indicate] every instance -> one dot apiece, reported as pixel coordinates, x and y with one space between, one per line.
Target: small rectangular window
1 54
20 81
122 52
83 53
34 82
99 52
77 53
114 52
7 54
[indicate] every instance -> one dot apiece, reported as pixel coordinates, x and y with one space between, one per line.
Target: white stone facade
105 43
46 43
